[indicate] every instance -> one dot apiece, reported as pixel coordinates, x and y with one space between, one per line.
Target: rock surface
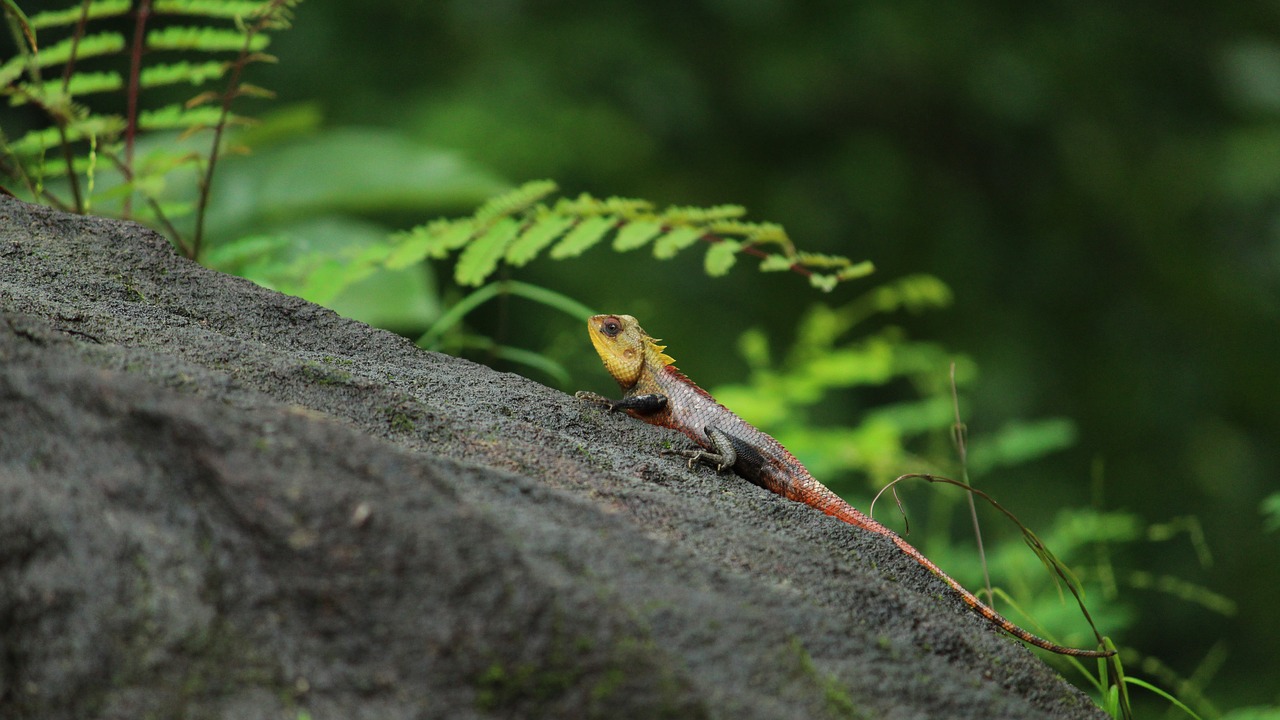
217 501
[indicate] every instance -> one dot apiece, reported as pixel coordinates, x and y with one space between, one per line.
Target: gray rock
217 501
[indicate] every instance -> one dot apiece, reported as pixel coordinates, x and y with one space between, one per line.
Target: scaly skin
656 392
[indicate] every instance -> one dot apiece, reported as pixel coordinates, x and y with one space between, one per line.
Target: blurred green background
1098 183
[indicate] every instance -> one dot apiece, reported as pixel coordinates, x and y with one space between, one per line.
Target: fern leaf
433 240
821 260
720 257
21 23
771 233
534 240
37 141
12 69
673 242
254 91
225 9
628 207
71 16
515 201
80 84
825 283
774 263
176 117
857 270
206 39
173 73
587 233
584 205
104 43
480 258
702 216
635 234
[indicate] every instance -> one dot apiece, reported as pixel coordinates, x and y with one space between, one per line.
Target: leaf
673 242
433 240
175 117
862 269
37 141
535 239
515 201
720 257
587 233
80 84
481 257
635 234
689 215
1021 442
71 15
12 69
104 43
173 73
207 39
825 283
227 9
252 90
24 23
353 171
774 263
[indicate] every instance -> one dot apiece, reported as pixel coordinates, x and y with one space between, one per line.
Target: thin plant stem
959 434
131 112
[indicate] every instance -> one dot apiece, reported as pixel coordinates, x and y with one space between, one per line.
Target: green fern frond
721 257
433 240
480 258
571 226
584 235
636 234
38 141
776 263
671 243
98 44
206 39
514 202
536 239
225 9
176 117
181 72
70 16
702 216
84 83
10 71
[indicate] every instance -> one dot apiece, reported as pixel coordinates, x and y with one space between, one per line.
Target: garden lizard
656 392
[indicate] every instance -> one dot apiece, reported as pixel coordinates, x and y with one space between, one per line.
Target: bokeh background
1098 183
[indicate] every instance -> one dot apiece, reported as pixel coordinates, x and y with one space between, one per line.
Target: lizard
656 392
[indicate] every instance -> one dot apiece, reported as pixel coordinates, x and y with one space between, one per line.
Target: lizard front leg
720 456
642 404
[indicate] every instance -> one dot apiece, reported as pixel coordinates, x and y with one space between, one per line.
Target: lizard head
625 348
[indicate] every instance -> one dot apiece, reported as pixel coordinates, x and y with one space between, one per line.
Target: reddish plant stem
131 113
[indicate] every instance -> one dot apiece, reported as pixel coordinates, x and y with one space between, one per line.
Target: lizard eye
611 327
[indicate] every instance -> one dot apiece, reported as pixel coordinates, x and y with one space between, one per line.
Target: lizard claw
595 399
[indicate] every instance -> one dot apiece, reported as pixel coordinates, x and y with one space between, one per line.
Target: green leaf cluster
834 359
517 227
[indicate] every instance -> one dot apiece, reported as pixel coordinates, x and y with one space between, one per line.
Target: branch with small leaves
518 226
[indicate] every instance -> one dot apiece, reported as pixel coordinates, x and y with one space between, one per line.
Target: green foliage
518 226
96 165
829 363
1271 512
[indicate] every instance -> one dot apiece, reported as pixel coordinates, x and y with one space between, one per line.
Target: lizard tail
853 516
996 618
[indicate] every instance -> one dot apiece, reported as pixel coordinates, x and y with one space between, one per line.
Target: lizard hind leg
720 456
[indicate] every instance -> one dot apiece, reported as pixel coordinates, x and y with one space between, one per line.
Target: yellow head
625 348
